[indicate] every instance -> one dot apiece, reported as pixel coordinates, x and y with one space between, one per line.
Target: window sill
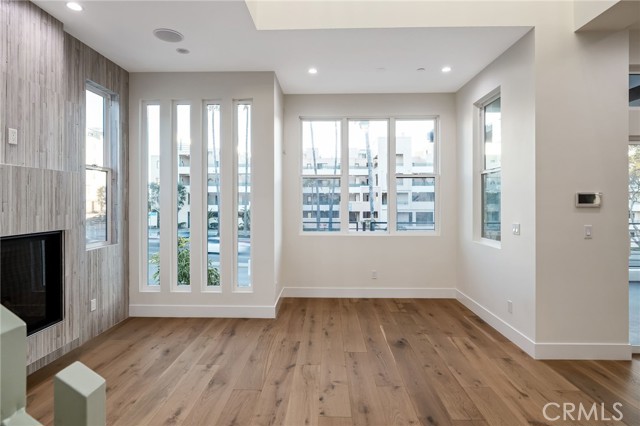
96 246
489 243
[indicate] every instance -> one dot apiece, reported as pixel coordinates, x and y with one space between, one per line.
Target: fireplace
31 278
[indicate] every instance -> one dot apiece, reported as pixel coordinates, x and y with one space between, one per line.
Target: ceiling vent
166 34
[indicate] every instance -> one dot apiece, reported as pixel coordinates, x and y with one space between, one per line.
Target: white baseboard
371 293
592 351
202 311
517 337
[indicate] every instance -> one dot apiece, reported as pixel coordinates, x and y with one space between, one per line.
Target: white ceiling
222 37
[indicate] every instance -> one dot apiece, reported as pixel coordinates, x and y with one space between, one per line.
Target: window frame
391 178
483 172
435 175
110 123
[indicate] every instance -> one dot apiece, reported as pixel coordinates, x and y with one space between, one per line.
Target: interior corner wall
581 145
42 95
489 276
278 146
341 265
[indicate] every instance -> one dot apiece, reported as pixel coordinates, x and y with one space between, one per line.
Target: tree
184 265
101 196
153 202
365 125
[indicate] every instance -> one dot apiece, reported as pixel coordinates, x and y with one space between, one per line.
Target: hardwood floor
338 362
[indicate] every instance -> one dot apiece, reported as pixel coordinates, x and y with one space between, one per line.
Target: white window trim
110 156
144 210
236 287
481 171
204 252
391 178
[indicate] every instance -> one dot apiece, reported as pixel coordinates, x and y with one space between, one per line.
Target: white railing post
79 397
13 371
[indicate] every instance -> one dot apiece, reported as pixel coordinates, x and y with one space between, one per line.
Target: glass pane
368 175
321 204
491 206
213 195
94 144
153 194
634 237
415 204
634 90
415 142
183 146
96 208
321 147
243 265
492 135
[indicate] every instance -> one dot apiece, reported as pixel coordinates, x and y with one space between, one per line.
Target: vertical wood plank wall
43 72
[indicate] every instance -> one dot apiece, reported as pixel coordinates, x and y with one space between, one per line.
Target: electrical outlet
13 136
510 306
94 304
374 275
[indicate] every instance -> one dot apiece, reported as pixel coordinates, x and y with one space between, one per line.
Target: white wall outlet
510 306
94 304
12 136
588 232
374 275
515 229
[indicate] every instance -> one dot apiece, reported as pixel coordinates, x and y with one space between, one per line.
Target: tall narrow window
183 151
152 134
213 194
243 240
321 175
99 161
490 175
415 176
368 169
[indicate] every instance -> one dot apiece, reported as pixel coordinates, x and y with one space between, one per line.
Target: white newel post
79 397
13 371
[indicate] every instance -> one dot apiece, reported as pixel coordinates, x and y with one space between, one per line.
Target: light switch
588 231
13 136
515 229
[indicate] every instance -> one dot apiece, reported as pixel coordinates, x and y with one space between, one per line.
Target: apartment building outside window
490 174
346 186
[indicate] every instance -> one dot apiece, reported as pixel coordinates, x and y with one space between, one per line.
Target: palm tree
316 182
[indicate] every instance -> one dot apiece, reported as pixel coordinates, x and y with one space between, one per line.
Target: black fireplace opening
31 278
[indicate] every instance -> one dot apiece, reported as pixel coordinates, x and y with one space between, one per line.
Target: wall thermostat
588 199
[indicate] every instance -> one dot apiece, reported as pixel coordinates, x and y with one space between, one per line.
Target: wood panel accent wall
44 71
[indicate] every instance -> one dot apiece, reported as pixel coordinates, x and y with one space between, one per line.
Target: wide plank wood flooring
338 362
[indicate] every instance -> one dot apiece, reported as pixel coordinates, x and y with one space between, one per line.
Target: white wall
225 88
337 264
278 142
581 145
489 275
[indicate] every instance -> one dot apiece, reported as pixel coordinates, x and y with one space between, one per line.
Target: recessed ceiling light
74 6
169 35
313 71
182 50
446 69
